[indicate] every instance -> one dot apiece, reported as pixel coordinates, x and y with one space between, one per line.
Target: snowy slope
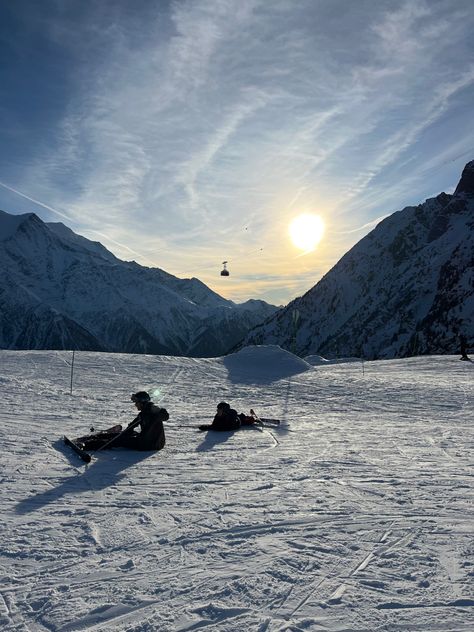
59 290
354 516
405 289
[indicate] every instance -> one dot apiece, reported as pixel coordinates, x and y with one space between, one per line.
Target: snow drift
264 362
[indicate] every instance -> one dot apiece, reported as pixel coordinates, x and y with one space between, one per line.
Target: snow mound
268 361
316 360
344 360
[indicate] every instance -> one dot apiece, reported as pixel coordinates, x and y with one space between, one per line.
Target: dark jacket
152 435
227 421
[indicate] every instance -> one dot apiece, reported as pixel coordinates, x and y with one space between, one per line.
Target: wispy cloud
365 227
71 221
195 131
37 202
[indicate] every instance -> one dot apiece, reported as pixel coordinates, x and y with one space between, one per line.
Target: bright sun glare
306 231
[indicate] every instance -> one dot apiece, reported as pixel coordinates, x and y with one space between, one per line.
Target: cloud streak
195 131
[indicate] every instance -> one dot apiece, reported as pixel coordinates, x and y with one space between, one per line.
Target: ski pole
183 426
72 370
131 426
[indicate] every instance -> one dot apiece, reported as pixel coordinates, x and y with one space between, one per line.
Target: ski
116 428
269 422
256 424
98 434
79 451
265 421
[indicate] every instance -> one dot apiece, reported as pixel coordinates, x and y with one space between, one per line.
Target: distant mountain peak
406 288
9 224
60 290
466 183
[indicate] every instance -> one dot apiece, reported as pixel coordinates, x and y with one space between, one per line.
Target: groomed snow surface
354 515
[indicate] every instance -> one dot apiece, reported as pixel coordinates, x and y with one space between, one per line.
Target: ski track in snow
354 515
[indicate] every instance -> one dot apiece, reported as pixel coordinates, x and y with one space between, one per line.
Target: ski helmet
141 396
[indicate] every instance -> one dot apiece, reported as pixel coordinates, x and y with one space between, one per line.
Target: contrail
117 243
27 197
371 224
63 215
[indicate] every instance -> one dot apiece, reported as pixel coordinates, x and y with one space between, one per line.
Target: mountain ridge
406 288
58 288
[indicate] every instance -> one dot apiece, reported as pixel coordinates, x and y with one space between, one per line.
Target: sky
183 134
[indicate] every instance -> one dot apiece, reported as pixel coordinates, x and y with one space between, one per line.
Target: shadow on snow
214 438
104 471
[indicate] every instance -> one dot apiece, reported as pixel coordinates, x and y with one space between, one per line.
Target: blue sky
182 134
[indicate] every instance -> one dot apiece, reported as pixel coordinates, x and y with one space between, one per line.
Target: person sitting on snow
226 419
151 435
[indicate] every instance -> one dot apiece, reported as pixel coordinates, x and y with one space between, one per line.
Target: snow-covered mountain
59 290
407 288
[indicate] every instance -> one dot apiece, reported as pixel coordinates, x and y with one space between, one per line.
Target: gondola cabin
224 271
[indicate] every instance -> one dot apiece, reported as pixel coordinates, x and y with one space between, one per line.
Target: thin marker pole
72 369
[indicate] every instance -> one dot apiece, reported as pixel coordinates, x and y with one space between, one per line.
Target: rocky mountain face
59 290
407 288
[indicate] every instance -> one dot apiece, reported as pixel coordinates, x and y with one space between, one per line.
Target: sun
306 231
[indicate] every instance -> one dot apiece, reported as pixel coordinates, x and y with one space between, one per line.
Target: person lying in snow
152 434
227 419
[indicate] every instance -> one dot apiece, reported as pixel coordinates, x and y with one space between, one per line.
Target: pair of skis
76 444
264 421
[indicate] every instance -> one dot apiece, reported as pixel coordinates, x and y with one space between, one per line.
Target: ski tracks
338 524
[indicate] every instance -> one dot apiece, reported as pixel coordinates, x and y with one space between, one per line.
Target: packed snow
354 515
